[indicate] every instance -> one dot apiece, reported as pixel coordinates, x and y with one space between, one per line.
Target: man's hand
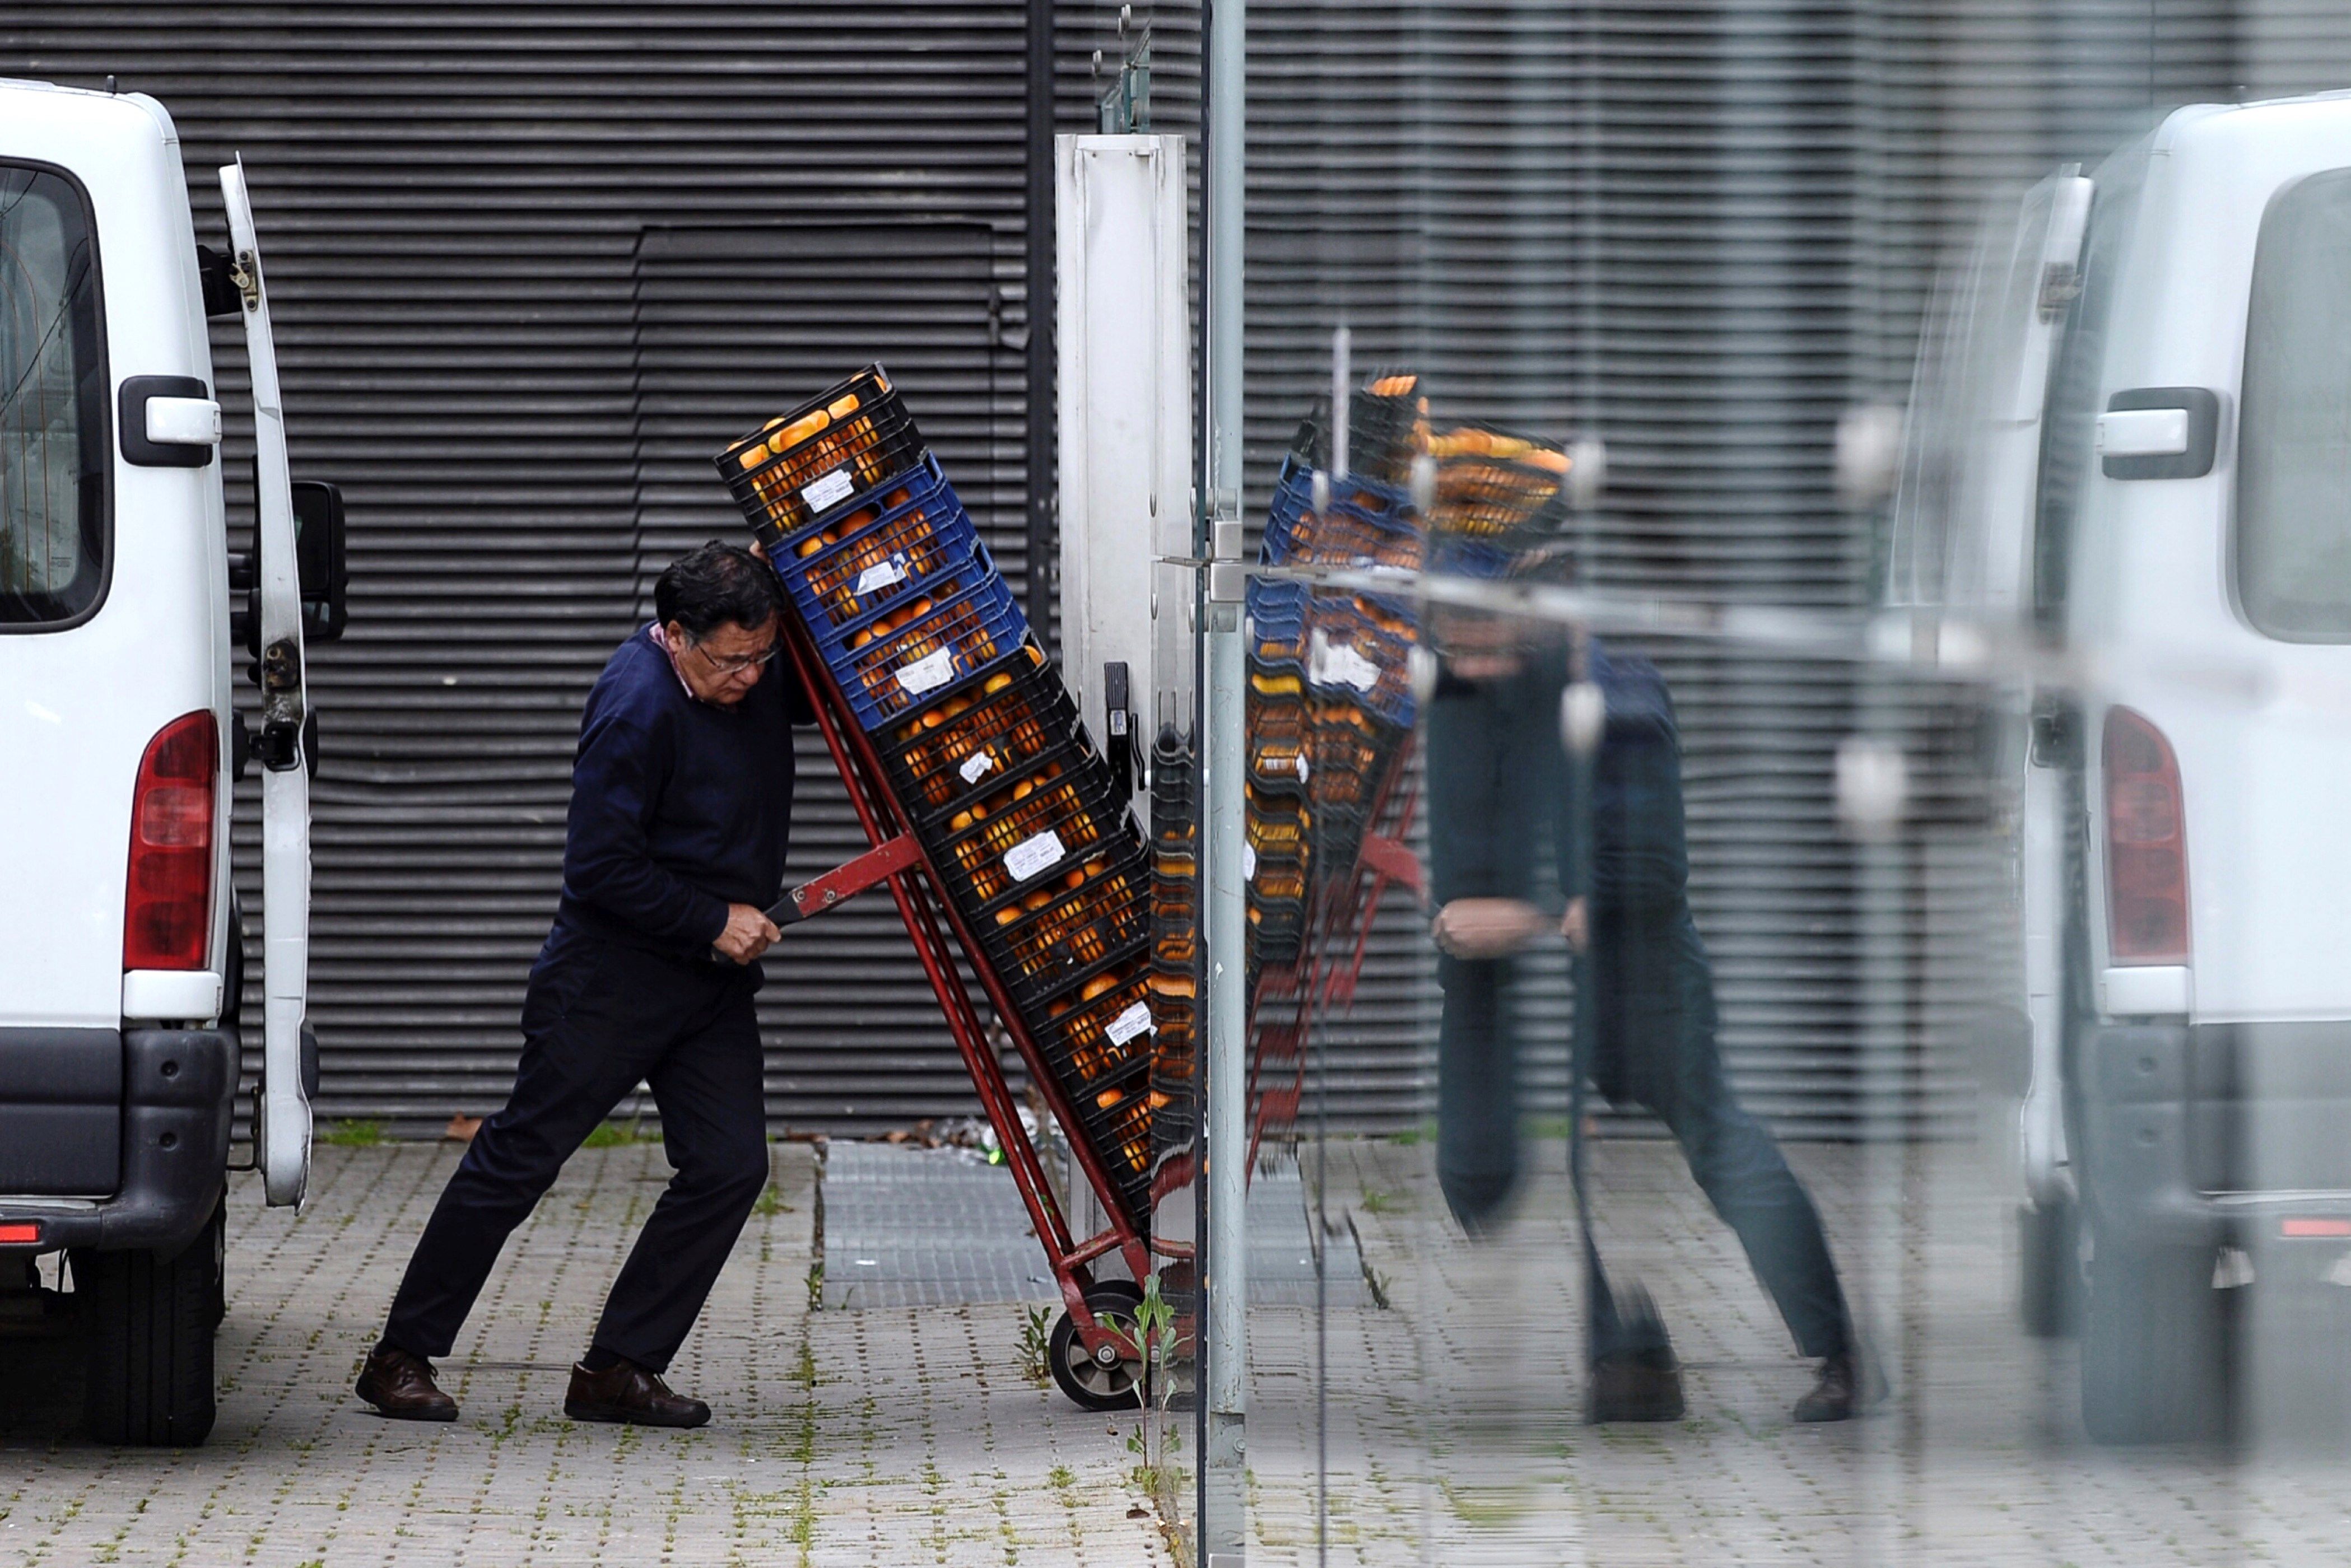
748 934
1484 928
1576 924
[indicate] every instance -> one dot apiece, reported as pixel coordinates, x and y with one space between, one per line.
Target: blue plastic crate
885 669
1351 655
886 558
1367 524
1277 622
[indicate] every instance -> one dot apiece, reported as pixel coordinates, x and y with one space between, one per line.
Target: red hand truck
1096 1363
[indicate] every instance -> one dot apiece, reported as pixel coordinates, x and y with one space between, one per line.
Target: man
681 810
1647 1025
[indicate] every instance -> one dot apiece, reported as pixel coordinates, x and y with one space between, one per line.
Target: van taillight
2146 845
167 913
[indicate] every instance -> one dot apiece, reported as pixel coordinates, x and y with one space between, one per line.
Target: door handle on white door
167 422
184 421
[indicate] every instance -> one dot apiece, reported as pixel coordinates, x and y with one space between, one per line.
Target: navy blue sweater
679 808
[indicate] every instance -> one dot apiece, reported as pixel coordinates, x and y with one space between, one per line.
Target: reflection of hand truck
1096 1365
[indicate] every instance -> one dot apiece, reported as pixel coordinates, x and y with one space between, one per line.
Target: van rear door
283 1131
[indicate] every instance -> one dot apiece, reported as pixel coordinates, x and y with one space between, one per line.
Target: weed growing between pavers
353 1135
1037 1345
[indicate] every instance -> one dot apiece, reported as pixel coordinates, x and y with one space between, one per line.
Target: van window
53 430
2293 465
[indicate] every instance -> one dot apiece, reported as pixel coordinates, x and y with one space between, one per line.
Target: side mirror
319 559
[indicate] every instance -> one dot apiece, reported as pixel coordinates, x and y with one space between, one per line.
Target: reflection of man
1496 768
681 807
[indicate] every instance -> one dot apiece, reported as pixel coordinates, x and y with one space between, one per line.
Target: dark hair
707 587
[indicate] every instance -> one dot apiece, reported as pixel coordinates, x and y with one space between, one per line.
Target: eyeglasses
726 667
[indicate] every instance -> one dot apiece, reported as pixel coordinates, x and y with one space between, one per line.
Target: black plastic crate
1013 841
964 746
848 439
1088 1040
1076 931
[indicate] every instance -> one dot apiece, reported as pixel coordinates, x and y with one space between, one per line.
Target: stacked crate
1329 706
1015 809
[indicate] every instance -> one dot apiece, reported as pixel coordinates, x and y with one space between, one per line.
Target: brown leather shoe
401 1387
1848 1385
626 1392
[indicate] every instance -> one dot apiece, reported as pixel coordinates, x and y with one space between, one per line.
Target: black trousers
598 1018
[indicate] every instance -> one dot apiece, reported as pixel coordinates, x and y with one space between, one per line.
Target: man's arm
616 783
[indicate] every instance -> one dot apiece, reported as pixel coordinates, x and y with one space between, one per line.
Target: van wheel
2049 1252
150 1322
2153 1346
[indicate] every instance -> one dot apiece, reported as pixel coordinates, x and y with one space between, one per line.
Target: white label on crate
1338 664
1302 768
976 765
928 673
1030 855
1249 861
1130 1024
829 491
888 574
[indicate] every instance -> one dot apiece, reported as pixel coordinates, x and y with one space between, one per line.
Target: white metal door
283 1133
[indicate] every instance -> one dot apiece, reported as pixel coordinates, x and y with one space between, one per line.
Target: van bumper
178 1100
2201 1134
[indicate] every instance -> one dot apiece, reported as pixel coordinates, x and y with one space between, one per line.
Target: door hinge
245 273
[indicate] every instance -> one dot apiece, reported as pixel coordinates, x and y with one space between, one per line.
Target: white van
2134 445
119 945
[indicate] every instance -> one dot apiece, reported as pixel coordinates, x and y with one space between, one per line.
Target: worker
1497 773
681 811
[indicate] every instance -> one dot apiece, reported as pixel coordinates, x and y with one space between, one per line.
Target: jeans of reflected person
1498 789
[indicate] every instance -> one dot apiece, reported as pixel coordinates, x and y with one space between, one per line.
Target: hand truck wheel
1092 1383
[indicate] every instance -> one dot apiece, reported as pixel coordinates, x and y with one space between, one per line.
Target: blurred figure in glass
1497 773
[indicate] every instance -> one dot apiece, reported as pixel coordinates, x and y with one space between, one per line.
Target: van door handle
167 422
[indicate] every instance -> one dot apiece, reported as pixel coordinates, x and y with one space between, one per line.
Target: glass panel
2293 537
52 404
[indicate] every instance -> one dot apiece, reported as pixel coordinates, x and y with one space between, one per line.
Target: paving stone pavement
1452 1437
893 1436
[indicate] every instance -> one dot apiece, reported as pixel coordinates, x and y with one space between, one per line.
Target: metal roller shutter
500 334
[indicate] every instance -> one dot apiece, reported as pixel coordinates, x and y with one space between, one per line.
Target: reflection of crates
1277 623
1088 1040
885 552
1366 525
848 439
979 733
1490 483
972 622
1038 951
1361 651
1015 837
1351 752
1385 429
1123 1138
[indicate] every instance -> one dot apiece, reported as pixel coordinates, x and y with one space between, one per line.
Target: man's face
722 666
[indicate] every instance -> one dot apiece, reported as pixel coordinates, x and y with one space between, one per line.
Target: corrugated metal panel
499 333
